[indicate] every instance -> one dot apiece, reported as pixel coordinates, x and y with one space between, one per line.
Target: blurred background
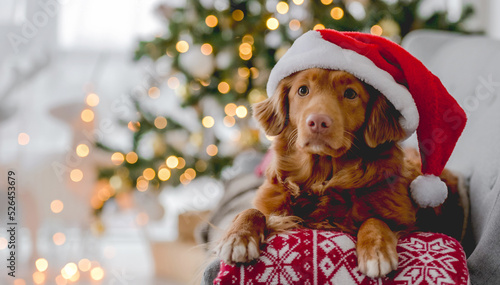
123 120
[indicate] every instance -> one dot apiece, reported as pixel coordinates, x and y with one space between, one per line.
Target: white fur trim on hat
312 51
428 191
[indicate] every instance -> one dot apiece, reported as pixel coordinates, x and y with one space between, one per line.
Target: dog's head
329 111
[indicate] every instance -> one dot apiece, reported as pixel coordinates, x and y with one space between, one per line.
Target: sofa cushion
323 257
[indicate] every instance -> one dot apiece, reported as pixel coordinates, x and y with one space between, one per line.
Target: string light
173 82
97 273
164 174
272 23
294 25
212 150
60 280
131 157
230 109
117 158
41 264
208 122
376 30
211 21
337 13
326 2
182 46
243 72
282 7
154 92
184 179
76 175
69 270
319 27
149 173
23 139
298 2
160 122
59 238
82 150
75 277
223 87
87 115
245 48
134 126
182 163
56 206
92 99
247 39
255 72
142 184
172 161
241 111
229 121
84 265
238 15
206 49
190 173
38 277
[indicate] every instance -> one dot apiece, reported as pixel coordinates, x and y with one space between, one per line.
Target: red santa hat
424 103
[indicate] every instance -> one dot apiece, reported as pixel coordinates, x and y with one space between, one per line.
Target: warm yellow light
201 165
117 158
238 15
223 87
87 115
182 46
3 243
164 174
212 150
59 238
97 273
82 150
184 179
319 27
211 21
206 49
92 99
246 56
241 111
154 92
23 138
75 277
182 163
142 184
247 39
38 277
245 48
294 25
298 2
255 72
131 157
326 2
69 270
208 122
272 23
149 173
229 121
376 30
19 282
190 173
84 265
337 13
56 206
244 72
76 175
172 161
230 109
160 122
41 264
173 82
134 126
282 7
241 87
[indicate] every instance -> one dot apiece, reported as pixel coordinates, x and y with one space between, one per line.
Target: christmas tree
216 56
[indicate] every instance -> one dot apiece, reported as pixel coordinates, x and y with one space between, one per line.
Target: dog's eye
303 90
349 93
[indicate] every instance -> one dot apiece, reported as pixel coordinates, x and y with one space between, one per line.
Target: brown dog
337 166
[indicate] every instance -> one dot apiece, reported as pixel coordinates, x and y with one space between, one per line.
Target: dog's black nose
318 123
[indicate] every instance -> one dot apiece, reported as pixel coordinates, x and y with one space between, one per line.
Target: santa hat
419 96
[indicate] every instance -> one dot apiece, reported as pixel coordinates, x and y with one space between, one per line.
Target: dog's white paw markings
380 265
238 249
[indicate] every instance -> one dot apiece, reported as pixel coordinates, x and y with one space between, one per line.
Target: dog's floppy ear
272 113
383 123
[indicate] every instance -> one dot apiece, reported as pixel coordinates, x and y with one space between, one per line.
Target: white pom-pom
428 191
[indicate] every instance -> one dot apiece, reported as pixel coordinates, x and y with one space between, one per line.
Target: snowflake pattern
321 257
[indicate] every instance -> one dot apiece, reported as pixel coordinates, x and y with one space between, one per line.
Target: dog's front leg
242 240
376 248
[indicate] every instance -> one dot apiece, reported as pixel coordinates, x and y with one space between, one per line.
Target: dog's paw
238 248
377 261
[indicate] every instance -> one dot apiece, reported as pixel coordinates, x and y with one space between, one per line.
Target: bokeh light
87 115
41 264
82 150
56 206
76 175
92 99
23 139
